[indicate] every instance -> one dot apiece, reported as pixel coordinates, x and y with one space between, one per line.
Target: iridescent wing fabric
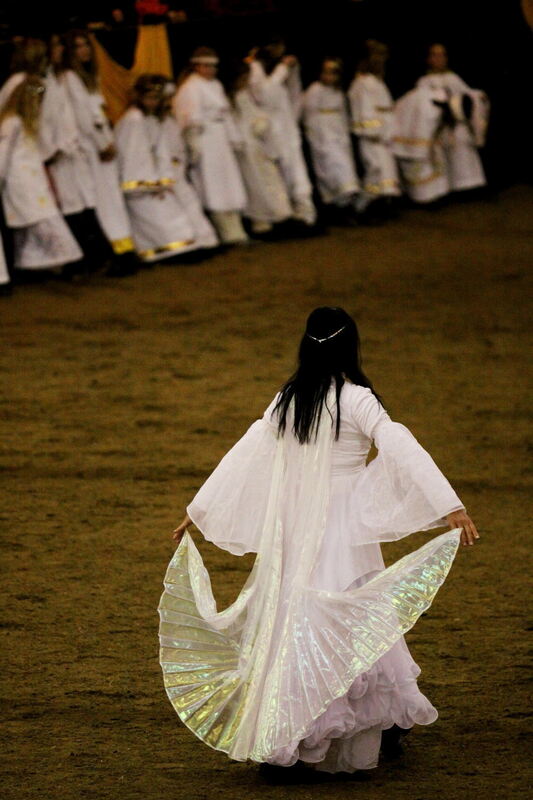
249 684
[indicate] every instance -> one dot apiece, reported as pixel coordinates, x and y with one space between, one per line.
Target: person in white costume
29 60
175 152
466 131
81 81
203 113
327 128
310 663
417 143
371 108
69 165
161 226
276 86
41 237
268 201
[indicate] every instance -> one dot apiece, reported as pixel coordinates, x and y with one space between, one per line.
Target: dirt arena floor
120 396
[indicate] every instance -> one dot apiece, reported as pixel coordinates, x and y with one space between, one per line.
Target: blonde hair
25 102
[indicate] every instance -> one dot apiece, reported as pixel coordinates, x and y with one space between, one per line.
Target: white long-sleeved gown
309 662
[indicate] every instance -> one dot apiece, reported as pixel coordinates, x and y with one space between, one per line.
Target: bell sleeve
402 490
230 507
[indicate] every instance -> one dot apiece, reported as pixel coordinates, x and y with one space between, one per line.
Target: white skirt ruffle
347 736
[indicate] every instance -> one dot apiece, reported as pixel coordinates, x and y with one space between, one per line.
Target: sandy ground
118 399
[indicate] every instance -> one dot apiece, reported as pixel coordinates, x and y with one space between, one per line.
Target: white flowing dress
417 144
160 224
327 128
371 108
464 167
309 662
41 237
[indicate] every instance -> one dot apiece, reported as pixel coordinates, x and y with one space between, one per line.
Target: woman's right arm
408 461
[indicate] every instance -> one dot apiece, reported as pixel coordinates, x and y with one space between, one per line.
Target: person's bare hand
179 532
108 154
289 61
460 519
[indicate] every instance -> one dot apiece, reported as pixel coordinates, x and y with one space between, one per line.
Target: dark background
489 45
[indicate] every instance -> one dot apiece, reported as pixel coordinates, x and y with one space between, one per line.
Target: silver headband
325 339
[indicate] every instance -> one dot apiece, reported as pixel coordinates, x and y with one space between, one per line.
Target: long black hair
329 351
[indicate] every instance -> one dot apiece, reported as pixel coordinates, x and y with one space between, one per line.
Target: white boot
260 226
229 227
304 210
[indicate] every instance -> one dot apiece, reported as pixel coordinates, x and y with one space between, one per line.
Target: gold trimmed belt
427 179
366 124
127 186
165 248
122 245
409 141
375 188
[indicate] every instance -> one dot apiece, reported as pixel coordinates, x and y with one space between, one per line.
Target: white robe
272 93
60 140
203 114
268 200
42 238
327 128
309 662
464 167
371 108
161 227
175 153
96 135
417 144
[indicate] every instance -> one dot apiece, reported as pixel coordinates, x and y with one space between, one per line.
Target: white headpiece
210 61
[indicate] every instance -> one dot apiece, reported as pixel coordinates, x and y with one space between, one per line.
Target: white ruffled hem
347 736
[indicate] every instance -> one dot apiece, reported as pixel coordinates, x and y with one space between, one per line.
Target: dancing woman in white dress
310 663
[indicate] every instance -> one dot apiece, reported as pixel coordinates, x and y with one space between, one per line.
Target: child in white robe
276 87
172 149
41 237
203 113
461 139
69 166
371 108
327 129
418 128
161 226
310 662
81 80
268 201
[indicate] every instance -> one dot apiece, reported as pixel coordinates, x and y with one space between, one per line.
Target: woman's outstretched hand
460 519
179 532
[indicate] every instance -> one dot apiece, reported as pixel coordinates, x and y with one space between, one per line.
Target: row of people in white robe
246 159
405 145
